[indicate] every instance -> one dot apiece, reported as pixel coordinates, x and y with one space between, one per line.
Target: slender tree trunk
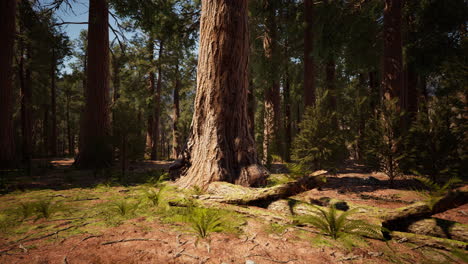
330 74
272 117
309 66
221 147
7 31
70 137
393 72
97 150
287 116
53 105
151 84
157 107
45 131
176 113
26 101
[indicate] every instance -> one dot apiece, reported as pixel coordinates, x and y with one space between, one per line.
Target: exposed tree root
224 192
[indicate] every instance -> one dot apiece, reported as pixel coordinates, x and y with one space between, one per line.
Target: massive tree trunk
221 147
309 77
271 140
151 84
7 31
96 149
53 105
176 113
157 107
392 77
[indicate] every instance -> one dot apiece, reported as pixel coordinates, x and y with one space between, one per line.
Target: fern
338 225
25 210
124 207
46 208
204 221
435 191
154 196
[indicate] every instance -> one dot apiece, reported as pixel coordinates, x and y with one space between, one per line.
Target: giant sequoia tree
96 150
221 147
7 31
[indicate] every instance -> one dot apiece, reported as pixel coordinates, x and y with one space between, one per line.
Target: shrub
320 144
382 146
437 142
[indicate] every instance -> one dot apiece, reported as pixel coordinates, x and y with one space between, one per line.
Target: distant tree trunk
309 66
176 113
251 105
97 150
26 102
157 107
70 136
392 77
362 118
330 75
221 147
82 110
45 131
53 105
116 78
375 94
272 117
287 115
151 84
7 31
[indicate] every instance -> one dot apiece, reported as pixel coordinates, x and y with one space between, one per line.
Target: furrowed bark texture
7 31
157 107
96 148
221 147
176 113
151 85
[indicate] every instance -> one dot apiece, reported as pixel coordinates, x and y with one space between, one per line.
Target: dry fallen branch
128 240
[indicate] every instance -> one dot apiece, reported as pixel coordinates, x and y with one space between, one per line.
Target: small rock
343 206
372 180
402 240
375 254
249 261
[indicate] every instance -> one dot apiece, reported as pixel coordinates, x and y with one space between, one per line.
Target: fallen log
224 192
440 228
428 241
280 218
401 218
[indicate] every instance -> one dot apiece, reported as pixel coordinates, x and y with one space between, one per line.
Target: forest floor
98 217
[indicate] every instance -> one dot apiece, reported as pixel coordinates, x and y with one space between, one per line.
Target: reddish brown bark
271 141
53 105
7 31
151 85
176 115
96 149
392 73
157 107
309 66
221 147
26 101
